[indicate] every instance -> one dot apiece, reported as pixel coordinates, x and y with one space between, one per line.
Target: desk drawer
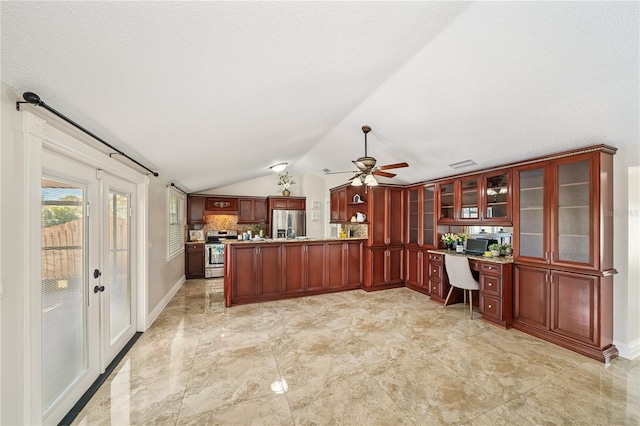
490 268
491 285
437 258
435 270
435 288
491 307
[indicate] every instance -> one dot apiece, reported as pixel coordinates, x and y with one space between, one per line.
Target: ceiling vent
462 164
326 170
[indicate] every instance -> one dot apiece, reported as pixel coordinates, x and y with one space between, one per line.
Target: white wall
626 284
12 300
259 187
165 276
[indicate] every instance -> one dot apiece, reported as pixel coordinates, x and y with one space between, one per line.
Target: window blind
176 221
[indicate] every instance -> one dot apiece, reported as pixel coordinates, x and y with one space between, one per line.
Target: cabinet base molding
291 296
603 355
382 287
420 289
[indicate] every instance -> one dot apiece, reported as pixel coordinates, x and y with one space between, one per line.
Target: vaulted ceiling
213 93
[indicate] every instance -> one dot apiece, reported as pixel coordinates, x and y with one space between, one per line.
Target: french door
88 279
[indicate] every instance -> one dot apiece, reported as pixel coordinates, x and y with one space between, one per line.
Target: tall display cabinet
563 250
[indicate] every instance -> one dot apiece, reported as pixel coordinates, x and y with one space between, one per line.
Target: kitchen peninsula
271 269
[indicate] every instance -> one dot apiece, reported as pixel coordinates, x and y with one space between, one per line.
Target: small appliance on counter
214 252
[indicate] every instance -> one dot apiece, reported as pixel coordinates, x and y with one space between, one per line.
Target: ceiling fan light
370 181
356 181
279 167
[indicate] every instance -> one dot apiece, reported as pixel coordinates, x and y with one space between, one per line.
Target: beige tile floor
352 358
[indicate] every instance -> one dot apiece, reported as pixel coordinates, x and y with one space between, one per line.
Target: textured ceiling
213 93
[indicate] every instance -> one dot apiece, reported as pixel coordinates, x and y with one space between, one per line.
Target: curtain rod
32 98
176 187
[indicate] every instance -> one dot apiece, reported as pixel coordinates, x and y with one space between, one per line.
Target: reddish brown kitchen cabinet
386 216
269 258
477 199
243 272
383 267
570 309
416 269
339 205
293 274
287 203
559 205
194 261
421 222
195 209
344 264
438 280
314 265
219 205
252 210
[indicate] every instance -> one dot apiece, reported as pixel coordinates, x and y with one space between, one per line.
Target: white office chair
460 276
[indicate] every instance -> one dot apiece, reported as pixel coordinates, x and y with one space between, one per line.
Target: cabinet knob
434 287
490 284
489 306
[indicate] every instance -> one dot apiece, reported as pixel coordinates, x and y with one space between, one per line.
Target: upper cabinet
219 205
287 203
386 216
558 206
195 209
252 210
481 198
421 216
346 202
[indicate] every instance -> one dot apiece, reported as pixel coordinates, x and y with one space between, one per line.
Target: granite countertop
286 240
501 259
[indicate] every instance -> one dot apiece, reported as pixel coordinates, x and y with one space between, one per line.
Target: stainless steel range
214 252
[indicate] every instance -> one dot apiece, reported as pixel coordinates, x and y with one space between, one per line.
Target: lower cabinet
270 271
417 269
438 280
194 261
383 267
496 284
570 309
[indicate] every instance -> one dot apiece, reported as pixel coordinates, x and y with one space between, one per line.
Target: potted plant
285 180
508 249
449 238
460 240
495 249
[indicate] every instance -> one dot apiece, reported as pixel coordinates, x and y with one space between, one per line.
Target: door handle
99 288
96 273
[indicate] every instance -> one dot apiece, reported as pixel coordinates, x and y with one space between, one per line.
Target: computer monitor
476 246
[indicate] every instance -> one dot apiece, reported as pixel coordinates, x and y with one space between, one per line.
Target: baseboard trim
629 350
153 315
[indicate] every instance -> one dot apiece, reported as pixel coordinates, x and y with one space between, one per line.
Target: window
176 224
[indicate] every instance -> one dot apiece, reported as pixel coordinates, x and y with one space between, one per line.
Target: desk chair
460 276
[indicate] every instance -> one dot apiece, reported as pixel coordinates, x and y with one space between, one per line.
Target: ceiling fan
367 167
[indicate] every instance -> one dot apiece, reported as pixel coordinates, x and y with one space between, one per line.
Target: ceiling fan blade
346 171
360 165
381 173
393 166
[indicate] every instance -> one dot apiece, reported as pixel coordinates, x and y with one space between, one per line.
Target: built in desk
495 275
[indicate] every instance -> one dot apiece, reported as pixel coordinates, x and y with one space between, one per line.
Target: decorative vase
495 253
286 193
449 246
459 248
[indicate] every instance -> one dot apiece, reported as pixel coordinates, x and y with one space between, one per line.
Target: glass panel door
65 317
469 199
118 297
413 216
531 213
447 201
428 216
119 254
497 196
574 217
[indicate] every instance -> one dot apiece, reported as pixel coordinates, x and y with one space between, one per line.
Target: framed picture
196 235
316 205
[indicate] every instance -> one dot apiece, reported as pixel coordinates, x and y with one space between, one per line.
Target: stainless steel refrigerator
288 224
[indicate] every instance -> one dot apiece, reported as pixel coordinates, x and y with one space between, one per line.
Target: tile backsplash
220 222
